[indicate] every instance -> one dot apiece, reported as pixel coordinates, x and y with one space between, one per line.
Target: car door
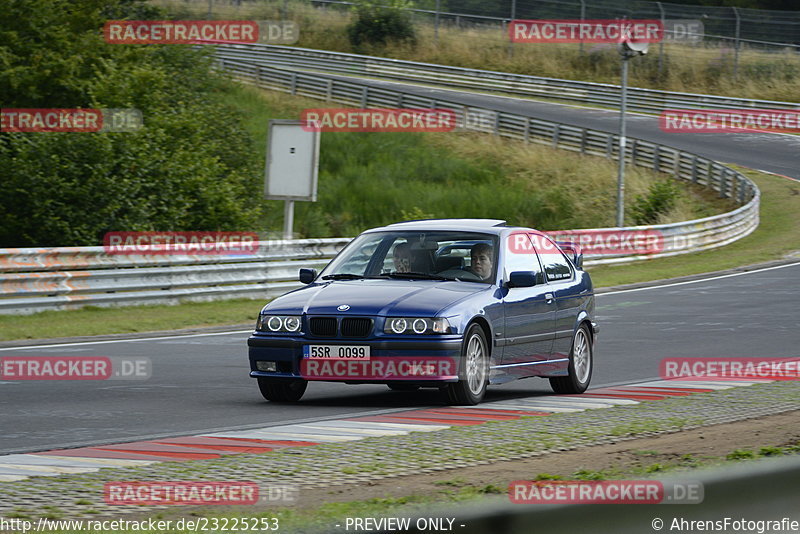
567 290
530 312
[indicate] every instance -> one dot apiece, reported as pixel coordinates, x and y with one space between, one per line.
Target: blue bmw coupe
455 304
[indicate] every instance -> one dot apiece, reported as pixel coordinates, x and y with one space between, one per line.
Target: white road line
675 284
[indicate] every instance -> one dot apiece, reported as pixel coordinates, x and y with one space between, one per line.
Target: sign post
292 166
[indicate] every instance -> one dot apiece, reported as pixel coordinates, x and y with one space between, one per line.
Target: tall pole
621 166
288 219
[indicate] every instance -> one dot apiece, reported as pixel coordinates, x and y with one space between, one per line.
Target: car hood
376 297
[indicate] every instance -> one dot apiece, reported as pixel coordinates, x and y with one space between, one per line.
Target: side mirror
573 251
522 279
307 275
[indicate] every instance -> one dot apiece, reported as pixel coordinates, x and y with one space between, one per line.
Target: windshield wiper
422 276
342 276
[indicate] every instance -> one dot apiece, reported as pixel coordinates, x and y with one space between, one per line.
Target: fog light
267 367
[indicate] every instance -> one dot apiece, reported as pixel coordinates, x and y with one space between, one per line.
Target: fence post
293 84
364 95
736 43
329 92
583 17
656 158
694 169
510 41
527 130
556 134
661 43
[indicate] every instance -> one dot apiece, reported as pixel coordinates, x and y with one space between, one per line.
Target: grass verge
775 237
372 179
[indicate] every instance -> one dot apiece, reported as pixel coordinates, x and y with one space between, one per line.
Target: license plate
336 352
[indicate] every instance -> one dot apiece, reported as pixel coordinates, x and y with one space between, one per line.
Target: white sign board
292 162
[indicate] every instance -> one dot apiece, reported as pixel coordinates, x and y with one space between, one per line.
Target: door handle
548 298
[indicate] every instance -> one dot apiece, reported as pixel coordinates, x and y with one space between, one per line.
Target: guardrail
751 494
587 93
58 278
36 279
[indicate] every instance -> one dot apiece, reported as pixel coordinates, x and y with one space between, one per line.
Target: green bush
378 22
660 199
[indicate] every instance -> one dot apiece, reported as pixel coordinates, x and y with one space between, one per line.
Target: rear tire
475 359
282 389
581 363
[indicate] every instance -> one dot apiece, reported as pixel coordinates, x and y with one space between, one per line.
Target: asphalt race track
201 383
776 153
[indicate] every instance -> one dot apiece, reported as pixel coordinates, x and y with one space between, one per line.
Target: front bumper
416 359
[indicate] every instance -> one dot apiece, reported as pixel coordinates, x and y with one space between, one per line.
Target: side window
521 255
556 265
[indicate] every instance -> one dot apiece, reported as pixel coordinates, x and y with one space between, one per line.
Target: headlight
278 323
416 325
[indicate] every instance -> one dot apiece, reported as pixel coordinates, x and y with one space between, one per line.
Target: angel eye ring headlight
398 325
278 323
416 325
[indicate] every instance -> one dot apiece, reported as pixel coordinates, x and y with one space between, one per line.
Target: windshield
435 255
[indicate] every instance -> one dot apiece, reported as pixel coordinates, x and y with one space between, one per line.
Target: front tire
581 363
475 357
282 389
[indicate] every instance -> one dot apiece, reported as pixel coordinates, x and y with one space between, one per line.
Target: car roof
493 226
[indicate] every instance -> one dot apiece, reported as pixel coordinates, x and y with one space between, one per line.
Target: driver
402 258
481 260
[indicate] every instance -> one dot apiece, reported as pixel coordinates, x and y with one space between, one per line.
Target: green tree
191 167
